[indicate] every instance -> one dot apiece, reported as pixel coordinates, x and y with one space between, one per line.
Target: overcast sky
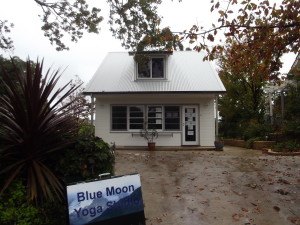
84 57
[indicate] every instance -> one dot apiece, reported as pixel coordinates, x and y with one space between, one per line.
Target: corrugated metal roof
186 72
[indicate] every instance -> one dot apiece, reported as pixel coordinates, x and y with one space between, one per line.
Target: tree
60 17
77 102
5 42
130 21
245 74
292 101
292 109
133 20
161 40
250 59
256 20
33 129
9 68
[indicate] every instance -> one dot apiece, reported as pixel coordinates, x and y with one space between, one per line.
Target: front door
190 129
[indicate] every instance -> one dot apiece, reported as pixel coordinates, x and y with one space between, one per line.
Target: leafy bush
42 144
249 143
15 207
292 129
230 129
289 146
86 158
254 129
292 107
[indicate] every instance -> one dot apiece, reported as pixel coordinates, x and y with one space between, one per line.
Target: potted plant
149 135
219 144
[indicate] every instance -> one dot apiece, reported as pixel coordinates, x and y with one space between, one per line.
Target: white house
173 92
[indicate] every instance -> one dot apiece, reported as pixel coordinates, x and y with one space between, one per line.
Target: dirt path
236 186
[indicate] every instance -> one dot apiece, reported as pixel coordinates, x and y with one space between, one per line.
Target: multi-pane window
133 117
152 68
172 118
155 117
136 117
119 118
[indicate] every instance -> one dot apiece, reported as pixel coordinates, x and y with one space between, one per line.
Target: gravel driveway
235 186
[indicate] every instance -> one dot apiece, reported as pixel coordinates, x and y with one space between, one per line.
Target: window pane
119 118
136 117
144 70
172 118
155 117
157 68
136 120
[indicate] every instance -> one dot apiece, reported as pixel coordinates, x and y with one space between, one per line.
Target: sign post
116 200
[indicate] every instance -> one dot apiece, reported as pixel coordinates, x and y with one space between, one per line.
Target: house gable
184 71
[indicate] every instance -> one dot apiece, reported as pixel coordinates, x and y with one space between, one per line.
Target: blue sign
106 201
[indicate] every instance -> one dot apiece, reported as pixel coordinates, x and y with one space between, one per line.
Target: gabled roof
186 73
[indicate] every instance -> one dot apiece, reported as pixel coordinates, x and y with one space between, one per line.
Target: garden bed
271 152
263 144
243 144
234 142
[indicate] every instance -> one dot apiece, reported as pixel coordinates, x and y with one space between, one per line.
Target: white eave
186 73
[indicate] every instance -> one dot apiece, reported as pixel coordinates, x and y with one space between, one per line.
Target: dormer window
151 64
151 67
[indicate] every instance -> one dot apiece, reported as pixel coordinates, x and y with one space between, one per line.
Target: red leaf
210 37
221 12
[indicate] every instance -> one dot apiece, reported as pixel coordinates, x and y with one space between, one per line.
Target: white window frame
152 78
111 118
145 117
128 116
161 118
164 120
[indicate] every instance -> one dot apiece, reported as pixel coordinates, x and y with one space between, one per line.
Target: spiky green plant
34 127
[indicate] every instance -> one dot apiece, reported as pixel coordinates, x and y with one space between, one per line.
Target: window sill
152 79
159 134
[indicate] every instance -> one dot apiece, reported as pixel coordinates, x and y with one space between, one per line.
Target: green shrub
292 129
88 157
15 207
249 143
289 146
230 129
254 129
43 144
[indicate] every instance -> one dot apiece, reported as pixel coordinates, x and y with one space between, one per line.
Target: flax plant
34 128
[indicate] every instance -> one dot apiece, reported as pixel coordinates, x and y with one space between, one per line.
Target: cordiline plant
34 128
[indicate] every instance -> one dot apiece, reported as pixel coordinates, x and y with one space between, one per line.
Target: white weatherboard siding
125 138
188 82
207 123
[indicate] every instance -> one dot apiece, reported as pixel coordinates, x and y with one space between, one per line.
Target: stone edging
270 152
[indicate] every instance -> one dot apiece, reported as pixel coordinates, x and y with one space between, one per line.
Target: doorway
190 135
